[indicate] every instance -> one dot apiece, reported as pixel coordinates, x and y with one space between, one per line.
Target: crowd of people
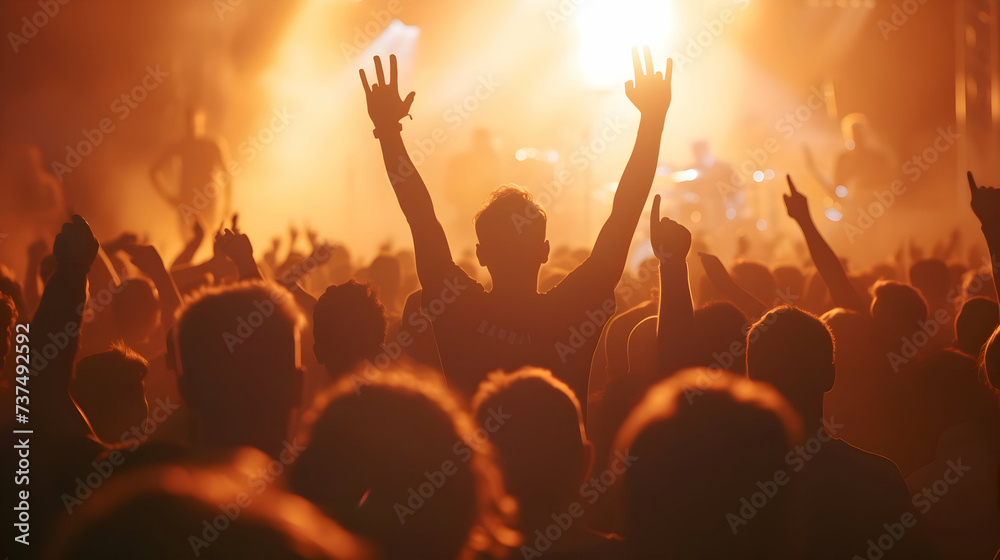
559 406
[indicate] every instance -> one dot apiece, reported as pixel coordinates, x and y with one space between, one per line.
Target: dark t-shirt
479 332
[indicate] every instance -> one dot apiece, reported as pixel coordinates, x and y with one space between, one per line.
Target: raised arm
55 328
986 206
147 259
386 108
650 93
675 321
829 266
191 247
719 276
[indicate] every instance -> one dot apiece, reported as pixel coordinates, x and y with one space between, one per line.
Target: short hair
789 348
975 323
239 340
700 441
108 388
541 438
349 325
375 441
510 213
897 306
161 512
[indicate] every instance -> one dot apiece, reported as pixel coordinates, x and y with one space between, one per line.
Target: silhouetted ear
479 255
829 375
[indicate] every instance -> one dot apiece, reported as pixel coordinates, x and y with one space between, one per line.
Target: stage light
731 214
769 174
521 154
833 214
685 175
840 191
761 225
608 30
850 144
758 176
552 156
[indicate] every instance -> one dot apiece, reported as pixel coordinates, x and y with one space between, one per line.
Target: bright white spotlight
758 176
833 214
685 175
608 30
552 156
521 154
840 191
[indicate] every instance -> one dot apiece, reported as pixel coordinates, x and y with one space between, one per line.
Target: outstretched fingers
654 214
649 60
791 185
636 63
392 69
379 72
364 81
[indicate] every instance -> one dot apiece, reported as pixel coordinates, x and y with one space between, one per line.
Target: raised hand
234 245
670 240
650 91
146 258
796 203
385 106
76 243
985 201
716 271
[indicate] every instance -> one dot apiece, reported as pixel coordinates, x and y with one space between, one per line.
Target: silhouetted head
238 356
135 309
536 424
975 323
701 441
642 360
932 278
950 391
108 387
394 459
349 326
720 336
194 121
792 350
219 511
757 279
896 309
8 317
385 272
511 232
789 281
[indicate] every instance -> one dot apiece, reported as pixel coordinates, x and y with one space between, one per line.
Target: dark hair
349 326
509 213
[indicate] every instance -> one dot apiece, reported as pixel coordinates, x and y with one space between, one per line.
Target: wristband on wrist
379 131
